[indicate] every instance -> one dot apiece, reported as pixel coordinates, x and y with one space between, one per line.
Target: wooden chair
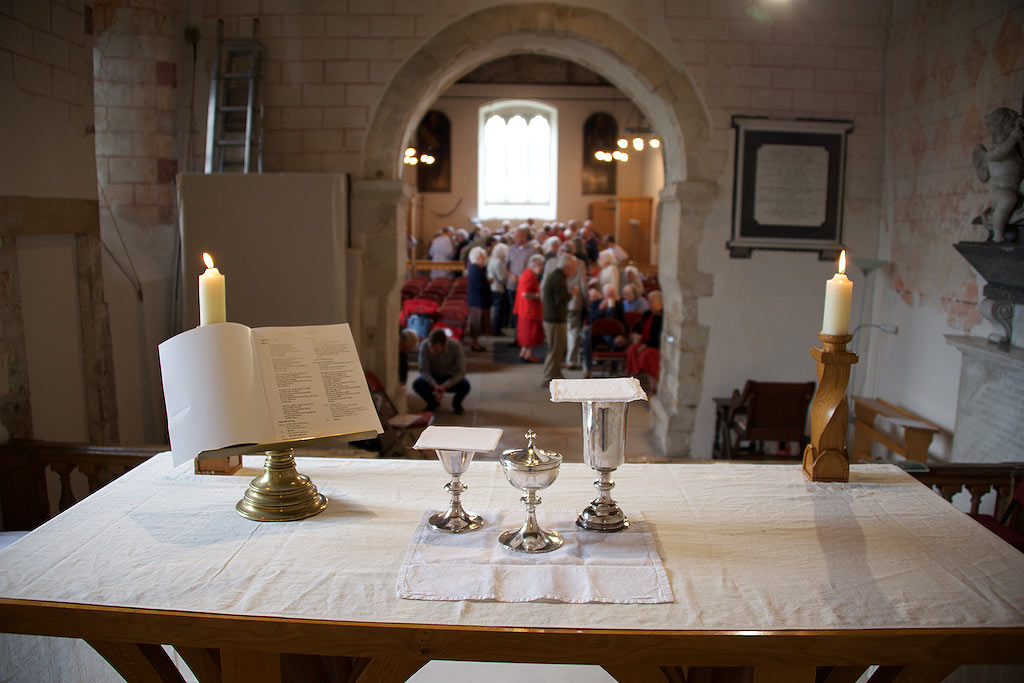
766 411
600 353
398 436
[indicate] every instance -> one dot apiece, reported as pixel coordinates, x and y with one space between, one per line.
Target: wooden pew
23 463
915 432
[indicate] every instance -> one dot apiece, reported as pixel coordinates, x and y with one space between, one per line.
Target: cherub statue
1002 167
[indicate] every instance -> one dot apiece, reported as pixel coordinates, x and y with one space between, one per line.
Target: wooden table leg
781 673
204 662
917 673
626 673
138 662
840 674
379 670
241 666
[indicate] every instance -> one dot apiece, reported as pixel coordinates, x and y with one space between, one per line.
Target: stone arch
625 58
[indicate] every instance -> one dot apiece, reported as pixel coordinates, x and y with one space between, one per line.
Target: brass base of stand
280 494
827 466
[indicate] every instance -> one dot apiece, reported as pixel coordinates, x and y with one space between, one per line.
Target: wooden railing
23 464
976 480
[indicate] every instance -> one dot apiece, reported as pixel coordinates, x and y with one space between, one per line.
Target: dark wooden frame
747 233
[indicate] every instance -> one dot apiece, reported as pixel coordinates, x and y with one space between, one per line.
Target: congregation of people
540 284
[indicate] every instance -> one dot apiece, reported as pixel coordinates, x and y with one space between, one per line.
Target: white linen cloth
744 546
601 389
621 567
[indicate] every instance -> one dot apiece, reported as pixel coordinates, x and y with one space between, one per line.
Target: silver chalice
530 469
455 448
604 449
455 519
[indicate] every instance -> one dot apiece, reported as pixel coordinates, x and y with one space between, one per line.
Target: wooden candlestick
826 457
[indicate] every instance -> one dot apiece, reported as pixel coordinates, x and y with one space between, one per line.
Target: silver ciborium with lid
530 469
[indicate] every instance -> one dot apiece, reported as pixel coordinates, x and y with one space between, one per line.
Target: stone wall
49 214
948 65
142 83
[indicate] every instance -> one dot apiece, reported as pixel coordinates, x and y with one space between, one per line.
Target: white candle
838 294
212 308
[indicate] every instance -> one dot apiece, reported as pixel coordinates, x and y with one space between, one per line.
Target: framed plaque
788 185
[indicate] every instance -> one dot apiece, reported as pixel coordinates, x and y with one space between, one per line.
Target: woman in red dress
529 328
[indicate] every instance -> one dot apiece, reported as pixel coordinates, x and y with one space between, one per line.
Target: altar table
768 571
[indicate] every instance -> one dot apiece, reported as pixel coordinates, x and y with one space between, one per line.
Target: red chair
435 296
600 353
455 331
1000 526
425 307
398 437
632 318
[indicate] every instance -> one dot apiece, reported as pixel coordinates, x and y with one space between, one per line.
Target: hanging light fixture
411 158
639 136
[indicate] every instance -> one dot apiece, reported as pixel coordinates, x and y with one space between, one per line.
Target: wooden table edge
821 647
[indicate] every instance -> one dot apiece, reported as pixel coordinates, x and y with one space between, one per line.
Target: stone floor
511 396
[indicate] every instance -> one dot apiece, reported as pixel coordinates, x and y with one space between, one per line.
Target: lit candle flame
208 260
842 261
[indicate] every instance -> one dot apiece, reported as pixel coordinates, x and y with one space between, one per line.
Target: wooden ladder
234 119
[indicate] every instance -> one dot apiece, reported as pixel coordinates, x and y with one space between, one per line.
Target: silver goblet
455 520
604 449
530 469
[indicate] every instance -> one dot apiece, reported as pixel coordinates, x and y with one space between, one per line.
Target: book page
212 390
313 381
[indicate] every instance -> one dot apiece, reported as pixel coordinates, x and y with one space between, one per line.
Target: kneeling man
442 368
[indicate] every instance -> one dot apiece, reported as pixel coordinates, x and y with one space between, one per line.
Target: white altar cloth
621 567
748 547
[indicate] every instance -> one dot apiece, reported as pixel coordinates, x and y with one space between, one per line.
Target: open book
227 385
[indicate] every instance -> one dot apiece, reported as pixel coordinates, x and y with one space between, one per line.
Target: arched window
433 137
600 132
518 166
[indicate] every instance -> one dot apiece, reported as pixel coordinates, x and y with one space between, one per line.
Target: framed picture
788 185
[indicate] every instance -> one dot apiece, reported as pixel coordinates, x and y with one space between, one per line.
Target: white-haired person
608 306
550 249
442 248
478 296
632 276
577 284
555 295
632 301
608 272
497 276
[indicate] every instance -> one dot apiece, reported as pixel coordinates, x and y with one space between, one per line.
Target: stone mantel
990 403
1010 356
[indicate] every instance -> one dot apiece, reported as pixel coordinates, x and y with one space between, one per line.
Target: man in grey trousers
555 295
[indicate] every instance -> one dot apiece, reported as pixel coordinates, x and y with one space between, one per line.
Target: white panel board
278 238
48 279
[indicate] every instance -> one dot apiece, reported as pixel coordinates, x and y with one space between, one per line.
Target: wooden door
603 215
633 227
